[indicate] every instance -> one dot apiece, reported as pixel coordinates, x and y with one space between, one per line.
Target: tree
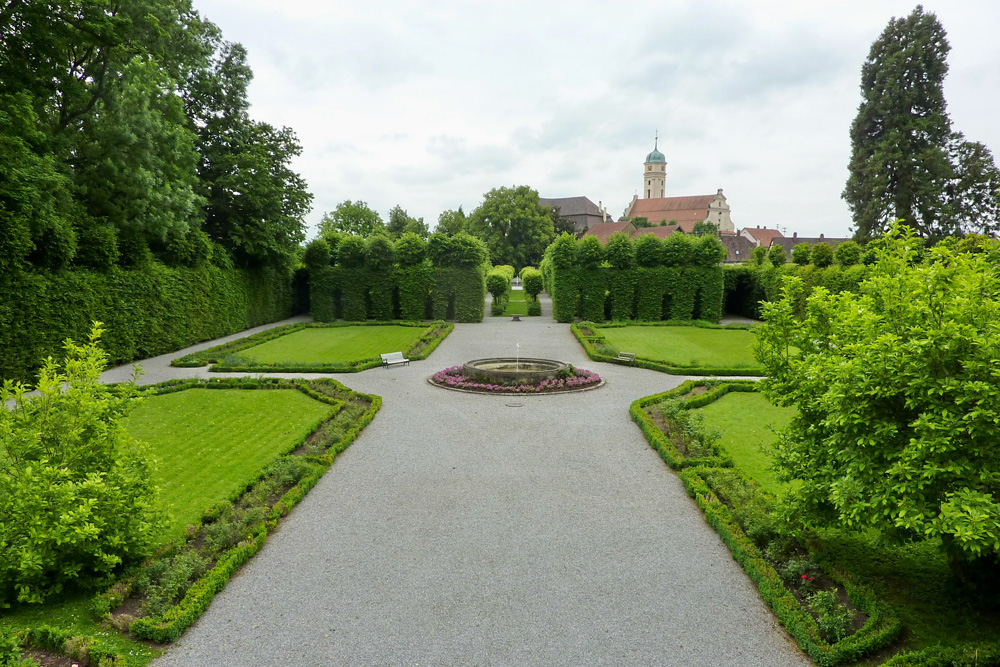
821 254
906 163
800 253
619 251
648 250
641 222
76 491
561 224
451 222
514 225
776 255
758 255
705 228
400 221
847 254
898 409
352 218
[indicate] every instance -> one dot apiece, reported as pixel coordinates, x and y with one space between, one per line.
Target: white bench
626 356
393 358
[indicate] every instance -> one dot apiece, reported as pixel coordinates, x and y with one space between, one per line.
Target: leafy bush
758 255
411 249
75 489
833 618
776 255
821 255
619 252
317 254
800 254
166 581
847 254
590 252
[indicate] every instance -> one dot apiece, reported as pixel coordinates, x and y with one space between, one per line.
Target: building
738 248
787 243
686 211
760 236
604 230
583 212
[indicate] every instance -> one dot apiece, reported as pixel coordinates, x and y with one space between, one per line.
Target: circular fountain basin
509 370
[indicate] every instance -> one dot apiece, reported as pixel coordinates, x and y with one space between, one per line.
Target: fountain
513 370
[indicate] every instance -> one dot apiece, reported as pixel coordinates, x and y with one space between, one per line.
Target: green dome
656 156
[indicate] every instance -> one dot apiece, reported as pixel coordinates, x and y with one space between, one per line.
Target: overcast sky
431 104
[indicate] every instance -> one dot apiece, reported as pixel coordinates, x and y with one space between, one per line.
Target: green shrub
317 254
847 254
590 252
166 581
800 254
834 619
821 255
776 255
75 490
619 252
758 255
648 251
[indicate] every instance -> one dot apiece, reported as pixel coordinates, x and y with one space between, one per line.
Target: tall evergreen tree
905 160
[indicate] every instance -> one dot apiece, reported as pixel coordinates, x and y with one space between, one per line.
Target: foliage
776 255
401 222
590 252
498 284
619 251
847 254
514 225
821 255
641 222
146 312
800 254
351 218
75 489
532 281
648 251
317 254
759 254
451 222
906 162
705 228
834 619
411 250
896 400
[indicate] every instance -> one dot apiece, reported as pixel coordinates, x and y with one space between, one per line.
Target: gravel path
484 530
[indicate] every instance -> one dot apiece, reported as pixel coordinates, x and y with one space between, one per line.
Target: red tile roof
603 230
659 232
762 235
685 211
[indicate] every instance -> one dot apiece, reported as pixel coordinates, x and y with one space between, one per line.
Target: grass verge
315 347
679 348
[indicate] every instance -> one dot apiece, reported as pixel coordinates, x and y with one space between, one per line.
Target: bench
626 356
393 358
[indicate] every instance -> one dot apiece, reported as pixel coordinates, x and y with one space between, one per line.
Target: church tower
655 177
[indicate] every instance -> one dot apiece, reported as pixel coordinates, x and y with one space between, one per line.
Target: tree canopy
898 408
906 162
514 225
352 217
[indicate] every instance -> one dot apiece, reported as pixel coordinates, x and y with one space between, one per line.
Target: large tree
514 225
352 217
451 222
906 162
898 412
401 222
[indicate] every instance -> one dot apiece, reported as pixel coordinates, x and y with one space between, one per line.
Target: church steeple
655 175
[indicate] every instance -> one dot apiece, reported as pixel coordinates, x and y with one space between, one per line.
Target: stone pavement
466 529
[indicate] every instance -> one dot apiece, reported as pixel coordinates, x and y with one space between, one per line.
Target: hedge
746 285
145 312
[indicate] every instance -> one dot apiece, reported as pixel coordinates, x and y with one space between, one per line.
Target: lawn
684 345
342 345
517 304
210 442
747 423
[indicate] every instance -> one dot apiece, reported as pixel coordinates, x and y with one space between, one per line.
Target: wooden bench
626 356
393 358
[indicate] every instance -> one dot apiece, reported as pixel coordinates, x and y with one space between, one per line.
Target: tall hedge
146 312
443 278
746 286
679 279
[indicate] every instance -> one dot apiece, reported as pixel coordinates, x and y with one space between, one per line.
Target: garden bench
626 356
393 358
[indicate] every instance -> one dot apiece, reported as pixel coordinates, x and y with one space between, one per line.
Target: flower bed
577 379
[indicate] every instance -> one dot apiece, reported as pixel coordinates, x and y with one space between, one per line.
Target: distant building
659 232
583 212
604 230
760 236
738 248
787 243
686 211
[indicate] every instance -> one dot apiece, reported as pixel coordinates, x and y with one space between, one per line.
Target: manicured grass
210 442
685 346
333 345
747 422
517 304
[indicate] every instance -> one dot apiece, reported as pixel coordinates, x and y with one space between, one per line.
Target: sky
431 104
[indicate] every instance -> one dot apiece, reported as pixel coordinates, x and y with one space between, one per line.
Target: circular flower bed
574 379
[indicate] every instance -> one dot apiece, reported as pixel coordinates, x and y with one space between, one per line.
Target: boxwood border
223 358
587 341
882 626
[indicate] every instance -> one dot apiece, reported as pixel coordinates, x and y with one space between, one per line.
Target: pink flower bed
580 378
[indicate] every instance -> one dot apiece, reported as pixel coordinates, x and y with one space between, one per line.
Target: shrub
317 254
166 581
800 254
351 251
847 254
619 252
776 255
379 253
758 255
411 249
590 252
834 619
821 255
677 251
75 489
709 251
648 251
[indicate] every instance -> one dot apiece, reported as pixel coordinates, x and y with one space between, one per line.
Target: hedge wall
747 285
678 280
146 312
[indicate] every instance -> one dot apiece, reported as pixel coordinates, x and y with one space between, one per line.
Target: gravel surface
464 529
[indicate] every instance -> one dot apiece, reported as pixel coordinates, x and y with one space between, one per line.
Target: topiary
620 252
590 252
648 251
821 255
776 255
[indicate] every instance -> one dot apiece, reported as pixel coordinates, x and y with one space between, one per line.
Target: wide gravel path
484 530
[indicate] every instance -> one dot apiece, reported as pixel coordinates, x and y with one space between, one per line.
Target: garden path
487 530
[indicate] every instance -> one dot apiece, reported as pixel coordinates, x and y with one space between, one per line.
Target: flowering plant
452 377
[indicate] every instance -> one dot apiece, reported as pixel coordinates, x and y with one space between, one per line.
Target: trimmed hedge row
882 626
172 624
145 312
224 358
746 285
609 353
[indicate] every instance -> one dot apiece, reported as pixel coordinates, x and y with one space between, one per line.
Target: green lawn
517 304
685 346
210 442
746 421
333 345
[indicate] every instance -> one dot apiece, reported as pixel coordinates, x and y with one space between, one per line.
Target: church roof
686 211
656 155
